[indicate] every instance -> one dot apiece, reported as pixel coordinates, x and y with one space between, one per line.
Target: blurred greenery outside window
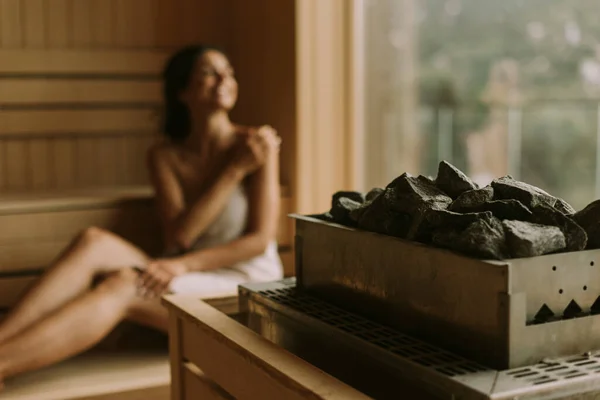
495 87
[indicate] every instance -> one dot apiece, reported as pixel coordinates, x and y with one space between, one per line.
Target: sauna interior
360 91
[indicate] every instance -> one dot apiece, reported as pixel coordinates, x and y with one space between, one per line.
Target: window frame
330 92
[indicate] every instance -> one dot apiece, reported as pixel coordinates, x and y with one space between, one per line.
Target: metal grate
560 370
374 333
565 373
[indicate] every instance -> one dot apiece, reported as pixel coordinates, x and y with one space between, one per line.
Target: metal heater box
503 314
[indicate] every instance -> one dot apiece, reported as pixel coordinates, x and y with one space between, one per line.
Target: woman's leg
94 251
80 324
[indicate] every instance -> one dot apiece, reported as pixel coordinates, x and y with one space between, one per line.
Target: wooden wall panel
34 23
326 103
68 92
11 30
80 88
73 69
264 56
58 28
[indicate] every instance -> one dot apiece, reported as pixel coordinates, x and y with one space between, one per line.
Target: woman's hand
155 278
254 147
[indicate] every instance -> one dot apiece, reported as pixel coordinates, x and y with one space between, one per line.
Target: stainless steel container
485 310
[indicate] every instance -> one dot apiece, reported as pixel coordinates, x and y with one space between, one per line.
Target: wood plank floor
97 376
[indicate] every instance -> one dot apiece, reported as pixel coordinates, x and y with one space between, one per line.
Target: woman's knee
93 235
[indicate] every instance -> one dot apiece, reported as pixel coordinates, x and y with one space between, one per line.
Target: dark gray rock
356 214
507 209
589 220
575 235
414 195
446 218
502 209
481 239
506 188
424 224
378 216
341 209
525 239
352 195
453 181
470 200
369 198
373 193
410 200
564 207
427 179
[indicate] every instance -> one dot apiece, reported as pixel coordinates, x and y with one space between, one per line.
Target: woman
217 191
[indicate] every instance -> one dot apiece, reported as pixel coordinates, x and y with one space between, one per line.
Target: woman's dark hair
176 78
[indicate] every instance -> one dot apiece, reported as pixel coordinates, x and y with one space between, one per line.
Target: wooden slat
144 22
3 173
23 122
131 375
26 256
226 304
11 30
125 24
12 288
16 161
55 61
72 199
33 231
53 226
88 162
53 91
39 238
81 23
137 163
103 23
40 171
175 357
168 30
58 23
36 255
35 23
63 163
197 386
217 345
109 161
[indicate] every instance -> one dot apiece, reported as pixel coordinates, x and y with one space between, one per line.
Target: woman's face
213 84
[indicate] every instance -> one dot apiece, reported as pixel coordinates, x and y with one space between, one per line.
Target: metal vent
567 374
554 371
374 333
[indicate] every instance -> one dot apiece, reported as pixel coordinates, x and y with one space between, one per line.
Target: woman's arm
264 209
183 226
168 193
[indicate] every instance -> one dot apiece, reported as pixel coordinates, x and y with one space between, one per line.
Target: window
495 87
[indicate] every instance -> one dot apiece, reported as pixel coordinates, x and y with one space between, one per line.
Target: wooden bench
207 346
33 230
